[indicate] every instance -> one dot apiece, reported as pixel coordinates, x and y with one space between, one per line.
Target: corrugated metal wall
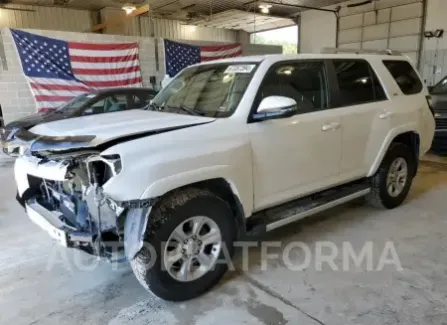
54 18
50 18
173 29
386 24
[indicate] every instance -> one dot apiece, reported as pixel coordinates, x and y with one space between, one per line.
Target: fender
173 182
410 127
136 221
135 227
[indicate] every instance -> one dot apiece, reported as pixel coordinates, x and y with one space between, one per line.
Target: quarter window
305 82
405 76
357 82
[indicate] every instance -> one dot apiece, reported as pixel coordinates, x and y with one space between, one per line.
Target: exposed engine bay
93 218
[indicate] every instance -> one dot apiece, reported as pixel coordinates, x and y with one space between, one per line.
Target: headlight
103 168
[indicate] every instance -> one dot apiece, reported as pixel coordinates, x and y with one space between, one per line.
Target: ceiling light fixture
129 8
265 9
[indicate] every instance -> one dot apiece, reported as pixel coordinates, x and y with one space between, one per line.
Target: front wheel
391 183
190 234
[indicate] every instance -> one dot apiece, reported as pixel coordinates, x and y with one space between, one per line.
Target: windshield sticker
240 68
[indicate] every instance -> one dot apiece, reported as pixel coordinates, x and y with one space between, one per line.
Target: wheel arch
407 136
135 224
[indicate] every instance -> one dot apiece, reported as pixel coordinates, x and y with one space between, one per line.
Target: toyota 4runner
226 149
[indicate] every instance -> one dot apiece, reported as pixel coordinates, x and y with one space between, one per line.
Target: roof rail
334 50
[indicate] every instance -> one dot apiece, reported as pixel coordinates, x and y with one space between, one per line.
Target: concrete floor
40 286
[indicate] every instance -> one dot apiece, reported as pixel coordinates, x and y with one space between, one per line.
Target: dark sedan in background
439 101
97 102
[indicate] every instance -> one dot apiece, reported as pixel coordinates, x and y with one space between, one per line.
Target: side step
289 212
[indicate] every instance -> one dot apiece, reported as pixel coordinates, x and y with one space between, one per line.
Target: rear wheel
189 233
391 183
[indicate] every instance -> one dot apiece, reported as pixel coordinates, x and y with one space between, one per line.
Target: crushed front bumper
49 221
114 234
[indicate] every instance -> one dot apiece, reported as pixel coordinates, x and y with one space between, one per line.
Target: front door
300 154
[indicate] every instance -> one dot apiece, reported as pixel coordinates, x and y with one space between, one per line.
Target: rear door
362 104
409 102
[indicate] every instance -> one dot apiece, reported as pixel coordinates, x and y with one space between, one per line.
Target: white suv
226 149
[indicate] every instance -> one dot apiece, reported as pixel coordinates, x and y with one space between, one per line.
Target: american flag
58 71
179 55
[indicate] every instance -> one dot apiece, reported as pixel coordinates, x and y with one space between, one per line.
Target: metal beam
291 6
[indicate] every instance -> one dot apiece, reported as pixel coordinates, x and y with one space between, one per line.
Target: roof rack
334 50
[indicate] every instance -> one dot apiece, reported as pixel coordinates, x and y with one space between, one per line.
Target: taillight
430 104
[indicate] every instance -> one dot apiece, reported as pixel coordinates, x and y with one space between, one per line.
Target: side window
405 76
303 81
112 103
357 82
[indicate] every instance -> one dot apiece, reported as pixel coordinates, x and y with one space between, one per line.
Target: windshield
208 90
76 102
441 87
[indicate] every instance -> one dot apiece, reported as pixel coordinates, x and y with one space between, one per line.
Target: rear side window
405 76
357 82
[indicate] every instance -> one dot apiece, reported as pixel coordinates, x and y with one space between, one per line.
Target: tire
380 196
168 214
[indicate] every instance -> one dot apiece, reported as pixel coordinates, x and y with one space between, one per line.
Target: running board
284 214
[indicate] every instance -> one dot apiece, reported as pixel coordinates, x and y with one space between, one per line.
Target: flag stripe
108 54
53 87
102 47
206 59
113 83
103 59
104 65
116 77
216 48
235 51
46 92
45 109
134 68
44 98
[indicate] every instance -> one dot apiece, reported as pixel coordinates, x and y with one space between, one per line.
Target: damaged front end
65 196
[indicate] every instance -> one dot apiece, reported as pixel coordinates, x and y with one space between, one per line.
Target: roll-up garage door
383 24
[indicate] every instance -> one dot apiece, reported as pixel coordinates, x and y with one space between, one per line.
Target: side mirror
274 107
430 88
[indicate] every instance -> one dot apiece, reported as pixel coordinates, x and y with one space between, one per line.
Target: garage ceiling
228 14
204 7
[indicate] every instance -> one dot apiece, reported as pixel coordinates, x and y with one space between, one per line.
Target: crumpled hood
112 126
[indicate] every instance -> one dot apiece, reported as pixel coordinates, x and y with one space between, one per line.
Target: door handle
330 126
385 115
